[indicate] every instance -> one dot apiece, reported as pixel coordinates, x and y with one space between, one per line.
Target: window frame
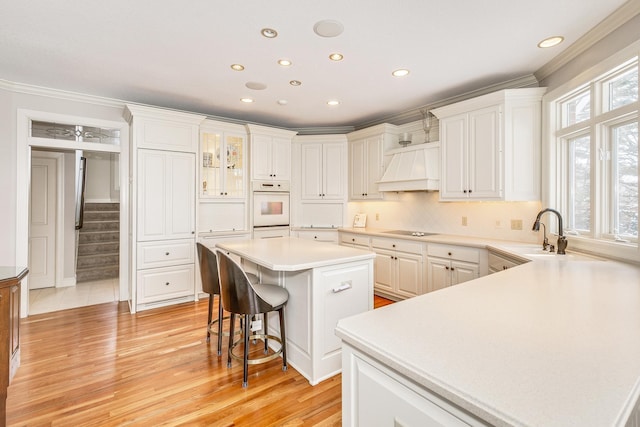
599 127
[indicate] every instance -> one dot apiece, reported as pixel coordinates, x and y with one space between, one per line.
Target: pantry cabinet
270 153
398 267
366 160
490 146
449 265
163 193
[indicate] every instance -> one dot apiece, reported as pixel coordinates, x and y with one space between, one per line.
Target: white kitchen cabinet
330 236
355 240
270 153
375 395
324 171
163 188
490 146
223 164
366 160
398 267
449 265
499 261
166 195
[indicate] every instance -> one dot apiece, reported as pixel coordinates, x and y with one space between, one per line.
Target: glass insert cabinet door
222 165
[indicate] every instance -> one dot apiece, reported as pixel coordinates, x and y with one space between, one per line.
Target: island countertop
547 343
293 254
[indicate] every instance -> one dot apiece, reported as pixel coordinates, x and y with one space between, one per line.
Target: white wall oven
270 206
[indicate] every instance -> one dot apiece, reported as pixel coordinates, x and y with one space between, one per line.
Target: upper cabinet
223 163
366 159
270 153
163 129
323 165
490 146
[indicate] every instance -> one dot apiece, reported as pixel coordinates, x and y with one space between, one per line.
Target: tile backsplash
422 211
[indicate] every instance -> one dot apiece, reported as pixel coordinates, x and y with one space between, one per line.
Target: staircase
99 243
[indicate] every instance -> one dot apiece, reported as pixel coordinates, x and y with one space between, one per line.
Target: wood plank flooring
102 366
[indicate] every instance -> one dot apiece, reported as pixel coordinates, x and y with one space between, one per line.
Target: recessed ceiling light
269 33
333 102
400 73
283 102
256 85
328 28
295 82
336 57
246 100
237 67
284 62
551 41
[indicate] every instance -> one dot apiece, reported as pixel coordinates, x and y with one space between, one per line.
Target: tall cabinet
366 159
163 199
319 181
490 146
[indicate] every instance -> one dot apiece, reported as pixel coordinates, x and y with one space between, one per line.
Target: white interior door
42 223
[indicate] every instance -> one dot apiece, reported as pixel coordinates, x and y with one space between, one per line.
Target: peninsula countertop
547 343
292 253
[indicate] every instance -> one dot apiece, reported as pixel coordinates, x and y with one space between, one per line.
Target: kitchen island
548 343
325 282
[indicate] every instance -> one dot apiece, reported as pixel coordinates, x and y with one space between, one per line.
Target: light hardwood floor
102 366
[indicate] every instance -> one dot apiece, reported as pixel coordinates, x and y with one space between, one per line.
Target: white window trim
552 178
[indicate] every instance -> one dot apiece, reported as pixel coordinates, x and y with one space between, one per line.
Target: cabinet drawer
159 284
165 253
454 252
500 262
397 245
354 239
319 235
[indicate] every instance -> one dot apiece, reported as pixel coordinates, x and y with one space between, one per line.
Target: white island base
325 282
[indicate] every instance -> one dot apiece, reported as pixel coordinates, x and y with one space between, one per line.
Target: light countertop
294 254
547 343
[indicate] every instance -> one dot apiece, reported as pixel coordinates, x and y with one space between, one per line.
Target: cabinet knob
394 245
166 284
447 267
166 253
469 191
452 268
449 253
464 191
315 237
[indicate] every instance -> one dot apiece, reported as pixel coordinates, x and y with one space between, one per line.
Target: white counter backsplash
422 211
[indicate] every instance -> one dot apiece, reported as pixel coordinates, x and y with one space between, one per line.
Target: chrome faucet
562 240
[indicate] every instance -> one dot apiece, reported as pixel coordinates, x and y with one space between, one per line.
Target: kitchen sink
409 233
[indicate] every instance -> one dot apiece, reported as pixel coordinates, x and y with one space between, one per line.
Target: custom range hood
413 168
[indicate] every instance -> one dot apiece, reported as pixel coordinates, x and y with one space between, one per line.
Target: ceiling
177 54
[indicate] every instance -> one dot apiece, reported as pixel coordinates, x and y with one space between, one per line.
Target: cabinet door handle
343 287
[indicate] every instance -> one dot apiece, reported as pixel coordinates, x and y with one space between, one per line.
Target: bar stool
211 285
240 296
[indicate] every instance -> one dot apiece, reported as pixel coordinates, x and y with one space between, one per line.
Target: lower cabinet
398 267
375 395
166 272
330 236
355 240
449 265
500 261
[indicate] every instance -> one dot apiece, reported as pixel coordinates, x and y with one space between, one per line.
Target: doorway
26 144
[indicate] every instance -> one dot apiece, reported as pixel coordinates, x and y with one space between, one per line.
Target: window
595 148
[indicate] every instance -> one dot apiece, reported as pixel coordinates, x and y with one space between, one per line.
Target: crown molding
611 23
332 130
528 80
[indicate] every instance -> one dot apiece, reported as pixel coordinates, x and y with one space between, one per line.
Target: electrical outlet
464 221
516 224
498 224
377 217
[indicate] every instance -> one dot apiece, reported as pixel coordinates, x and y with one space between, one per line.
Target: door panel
42 231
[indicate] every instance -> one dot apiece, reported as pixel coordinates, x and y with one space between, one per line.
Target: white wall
100 178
